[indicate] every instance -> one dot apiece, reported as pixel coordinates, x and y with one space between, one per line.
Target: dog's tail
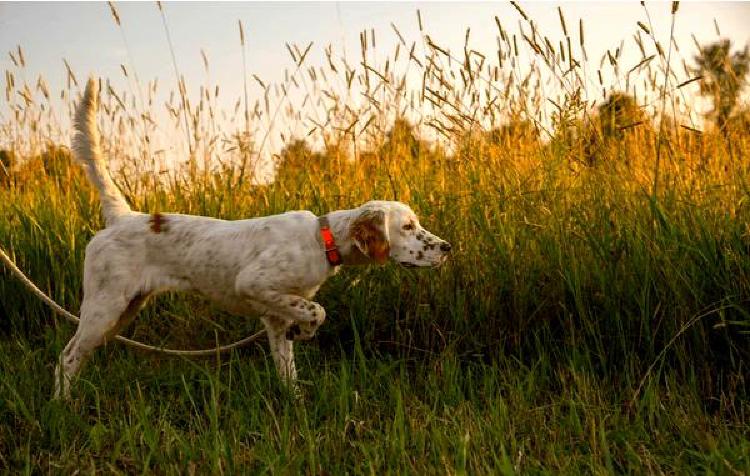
87 149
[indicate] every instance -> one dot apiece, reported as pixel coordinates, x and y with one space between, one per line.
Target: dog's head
390 230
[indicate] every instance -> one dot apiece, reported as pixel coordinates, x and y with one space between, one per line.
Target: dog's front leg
287 317
282 349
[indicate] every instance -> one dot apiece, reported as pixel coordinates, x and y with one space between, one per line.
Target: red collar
332 252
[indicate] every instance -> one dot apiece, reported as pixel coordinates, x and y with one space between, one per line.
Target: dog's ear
370 233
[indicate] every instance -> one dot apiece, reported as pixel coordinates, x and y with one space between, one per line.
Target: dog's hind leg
101 320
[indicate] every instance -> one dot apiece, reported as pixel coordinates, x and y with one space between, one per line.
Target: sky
86 35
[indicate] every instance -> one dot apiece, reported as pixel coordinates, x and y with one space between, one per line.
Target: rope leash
133 343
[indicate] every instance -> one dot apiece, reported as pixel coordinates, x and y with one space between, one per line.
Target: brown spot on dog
294 303
420 255
368 231
311 307
158 222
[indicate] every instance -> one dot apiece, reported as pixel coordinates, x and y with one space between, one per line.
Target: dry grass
593 317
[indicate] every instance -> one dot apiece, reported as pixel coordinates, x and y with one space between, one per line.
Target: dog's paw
302 330
315 316
293 331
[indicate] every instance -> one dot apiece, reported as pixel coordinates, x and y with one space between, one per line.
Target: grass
363 414
588 321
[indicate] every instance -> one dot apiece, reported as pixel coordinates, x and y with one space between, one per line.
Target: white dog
272 265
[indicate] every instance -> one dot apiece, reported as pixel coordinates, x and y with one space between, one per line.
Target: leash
133 343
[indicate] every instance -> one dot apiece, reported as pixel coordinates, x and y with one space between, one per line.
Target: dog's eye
409 226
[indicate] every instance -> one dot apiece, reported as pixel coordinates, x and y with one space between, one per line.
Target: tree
297 159
6 164
619 113
401 142
723 76
6 160
516 131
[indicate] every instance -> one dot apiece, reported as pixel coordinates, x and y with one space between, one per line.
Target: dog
271 266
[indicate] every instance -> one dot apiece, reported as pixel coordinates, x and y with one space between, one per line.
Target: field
593 317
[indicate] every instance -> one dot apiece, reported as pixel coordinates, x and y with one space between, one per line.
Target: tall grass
590 319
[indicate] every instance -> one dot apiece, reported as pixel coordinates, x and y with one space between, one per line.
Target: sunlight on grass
593 317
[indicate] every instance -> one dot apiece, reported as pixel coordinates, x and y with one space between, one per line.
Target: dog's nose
445 247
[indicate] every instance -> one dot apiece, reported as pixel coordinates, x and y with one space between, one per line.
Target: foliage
723 77
619 113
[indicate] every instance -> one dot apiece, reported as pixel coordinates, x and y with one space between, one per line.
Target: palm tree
723 76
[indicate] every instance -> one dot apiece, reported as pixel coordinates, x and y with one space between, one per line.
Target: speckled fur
271 266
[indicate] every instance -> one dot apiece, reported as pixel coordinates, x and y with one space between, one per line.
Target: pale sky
86 35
